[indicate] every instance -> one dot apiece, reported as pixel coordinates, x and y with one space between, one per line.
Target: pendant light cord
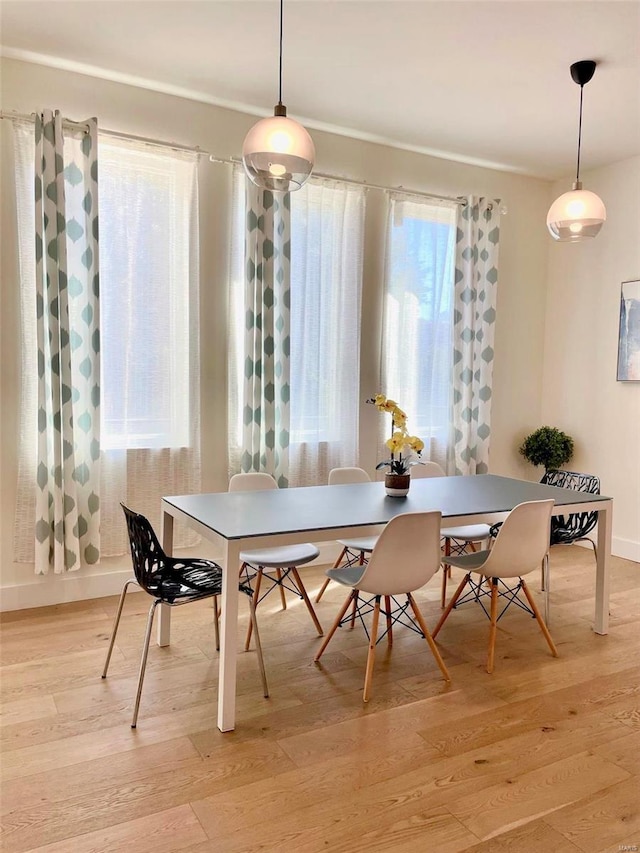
280 69
579 137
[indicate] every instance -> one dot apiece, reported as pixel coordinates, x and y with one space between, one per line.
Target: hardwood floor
543 755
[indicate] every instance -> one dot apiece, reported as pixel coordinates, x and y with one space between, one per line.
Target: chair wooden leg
428 637
303 593
494 624
443 592
387 607
256 634
328 580
216 622
450 606
354 609
372 650
256 594
283 597
116 622
351 597
541 622
143 662
322 589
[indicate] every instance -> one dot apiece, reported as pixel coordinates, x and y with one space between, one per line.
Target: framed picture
629 338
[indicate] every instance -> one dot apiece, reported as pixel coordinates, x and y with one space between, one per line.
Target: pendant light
278 153
578 214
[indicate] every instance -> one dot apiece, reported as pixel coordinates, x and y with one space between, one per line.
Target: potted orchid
403 447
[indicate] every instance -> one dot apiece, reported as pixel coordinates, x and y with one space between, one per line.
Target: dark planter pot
397 485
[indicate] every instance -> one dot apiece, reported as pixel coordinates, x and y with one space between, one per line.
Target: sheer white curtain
327 234
418 319
149 329
327 237
25 518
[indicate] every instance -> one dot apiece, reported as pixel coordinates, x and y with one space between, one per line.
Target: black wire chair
172 581
566 529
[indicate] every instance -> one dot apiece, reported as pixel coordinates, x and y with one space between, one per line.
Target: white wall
518 373
580 392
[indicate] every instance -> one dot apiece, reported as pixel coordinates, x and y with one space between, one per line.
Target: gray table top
242 515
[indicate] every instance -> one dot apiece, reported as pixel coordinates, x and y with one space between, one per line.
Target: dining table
242 521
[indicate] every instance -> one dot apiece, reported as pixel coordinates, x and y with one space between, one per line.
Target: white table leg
228 638
601 622
164 617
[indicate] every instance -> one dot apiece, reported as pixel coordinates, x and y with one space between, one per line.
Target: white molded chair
279 565
521 545
354 551
456 539
405 558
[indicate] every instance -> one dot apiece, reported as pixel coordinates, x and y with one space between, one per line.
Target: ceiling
482 82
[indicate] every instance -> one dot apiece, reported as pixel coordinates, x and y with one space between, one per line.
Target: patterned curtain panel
476 279
67 322
266 390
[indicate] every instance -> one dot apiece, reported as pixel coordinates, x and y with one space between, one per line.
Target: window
149 333
327 235
147 201
418 325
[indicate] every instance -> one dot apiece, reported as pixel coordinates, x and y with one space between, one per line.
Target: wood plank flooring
543 755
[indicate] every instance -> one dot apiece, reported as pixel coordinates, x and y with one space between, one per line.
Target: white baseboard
47 590
625 548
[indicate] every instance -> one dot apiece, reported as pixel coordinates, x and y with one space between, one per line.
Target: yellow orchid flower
396 442
415 443
400 442
399 417
379 400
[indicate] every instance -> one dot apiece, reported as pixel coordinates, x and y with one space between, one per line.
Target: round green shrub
547 446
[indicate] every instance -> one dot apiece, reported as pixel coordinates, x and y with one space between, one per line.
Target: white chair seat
469 562
468 532
347 576
284 557
366 544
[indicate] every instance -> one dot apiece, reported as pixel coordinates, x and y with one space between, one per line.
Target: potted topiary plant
547 446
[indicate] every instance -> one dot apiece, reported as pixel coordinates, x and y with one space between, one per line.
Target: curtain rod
79 125
76 125
457 200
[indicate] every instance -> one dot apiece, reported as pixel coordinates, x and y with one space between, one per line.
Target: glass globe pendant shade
576 215
278 154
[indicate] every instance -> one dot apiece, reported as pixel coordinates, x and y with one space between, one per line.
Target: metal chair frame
172 581
398 615
478 591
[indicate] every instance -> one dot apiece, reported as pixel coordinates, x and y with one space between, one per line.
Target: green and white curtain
266 366
476 280
67 322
